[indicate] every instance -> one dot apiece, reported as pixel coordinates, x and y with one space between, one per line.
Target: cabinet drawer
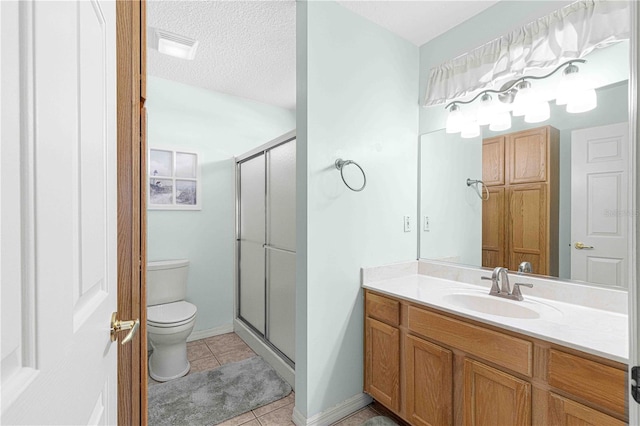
501 349
595 382
383 309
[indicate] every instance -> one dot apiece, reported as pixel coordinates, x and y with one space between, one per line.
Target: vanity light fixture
470 129
173 44
501 121
575 92
523 99
454 119
485 110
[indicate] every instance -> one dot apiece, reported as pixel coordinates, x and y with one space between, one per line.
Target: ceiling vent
173 44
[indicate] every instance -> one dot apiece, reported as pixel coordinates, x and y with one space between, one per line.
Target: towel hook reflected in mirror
475 183
341 164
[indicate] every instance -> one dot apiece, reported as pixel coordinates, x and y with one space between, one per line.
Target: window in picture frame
174 180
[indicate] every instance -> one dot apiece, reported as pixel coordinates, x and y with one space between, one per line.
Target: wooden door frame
131 158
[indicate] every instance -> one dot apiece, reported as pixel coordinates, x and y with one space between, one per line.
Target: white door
58 203
599 205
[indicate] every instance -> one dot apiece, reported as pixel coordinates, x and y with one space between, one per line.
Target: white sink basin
494 305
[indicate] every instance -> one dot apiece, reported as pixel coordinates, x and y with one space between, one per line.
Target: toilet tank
166 281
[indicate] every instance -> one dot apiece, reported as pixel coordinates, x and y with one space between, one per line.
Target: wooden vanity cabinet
493 397
382 350
565 412
520 219
428 389
434 368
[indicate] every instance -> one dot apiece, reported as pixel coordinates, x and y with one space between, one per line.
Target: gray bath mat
380 421
211 397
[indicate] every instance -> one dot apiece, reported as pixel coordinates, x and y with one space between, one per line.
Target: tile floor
212 352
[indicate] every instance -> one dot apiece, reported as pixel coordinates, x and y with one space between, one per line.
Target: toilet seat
171 314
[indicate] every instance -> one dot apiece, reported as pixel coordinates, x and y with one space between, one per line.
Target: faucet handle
516 290
494 284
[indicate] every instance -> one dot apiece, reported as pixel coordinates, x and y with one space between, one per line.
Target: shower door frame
256 152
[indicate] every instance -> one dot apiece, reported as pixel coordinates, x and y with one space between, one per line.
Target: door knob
581 246
117 325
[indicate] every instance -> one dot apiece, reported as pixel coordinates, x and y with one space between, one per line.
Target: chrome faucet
500 285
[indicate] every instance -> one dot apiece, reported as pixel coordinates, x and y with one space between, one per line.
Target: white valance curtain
568 33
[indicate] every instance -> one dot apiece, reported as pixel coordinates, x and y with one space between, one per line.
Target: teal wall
217 126
453 208
357 99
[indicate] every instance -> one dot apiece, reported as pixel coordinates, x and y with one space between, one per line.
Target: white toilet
170 319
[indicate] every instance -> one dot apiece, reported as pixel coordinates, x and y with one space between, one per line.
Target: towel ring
475 187
340 164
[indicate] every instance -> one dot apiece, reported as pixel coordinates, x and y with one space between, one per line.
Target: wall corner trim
334 413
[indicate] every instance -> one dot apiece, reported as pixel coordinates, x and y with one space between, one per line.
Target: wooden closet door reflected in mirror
520 219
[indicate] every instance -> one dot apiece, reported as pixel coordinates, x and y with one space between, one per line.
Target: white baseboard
333 414
278 364
210 332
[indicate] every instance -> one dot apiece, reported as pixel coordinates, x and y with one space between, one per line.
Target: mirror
584 202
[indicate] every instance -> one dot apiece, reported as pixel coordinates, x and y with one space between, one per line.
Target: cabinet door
493 229
528 229
428 392
564 412
493 397
493 161
527 155
382 363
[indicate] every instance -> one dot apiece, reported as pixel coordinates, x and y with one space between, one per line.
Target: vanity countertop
595 331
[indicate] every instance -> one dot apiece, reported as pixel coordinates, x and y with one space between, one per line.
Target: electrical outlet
426 224
407 224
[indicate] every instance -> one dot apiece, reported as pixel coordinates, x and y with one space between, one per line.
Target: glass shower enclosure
266 244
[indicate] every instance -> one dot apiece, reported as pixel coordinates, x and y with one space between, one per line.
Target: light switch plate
426 224
407 224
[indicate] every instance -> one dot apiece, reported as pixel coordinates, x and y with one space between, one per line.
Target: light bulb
569 84
501 121
454 119
470 129
539 111
583 101
486 110
524 98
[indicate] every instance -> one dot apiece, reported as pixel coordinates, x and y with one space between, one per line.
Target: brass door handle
117 325
581 246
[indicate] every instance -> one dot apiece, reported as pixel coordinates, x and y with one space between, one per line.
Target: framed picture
174 180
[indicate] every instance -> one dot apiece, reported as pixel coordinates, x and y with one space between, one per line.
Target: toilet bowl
170 319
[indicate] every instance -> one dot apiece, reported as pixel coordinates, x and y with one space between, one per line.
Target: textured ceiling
417 21
248 48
